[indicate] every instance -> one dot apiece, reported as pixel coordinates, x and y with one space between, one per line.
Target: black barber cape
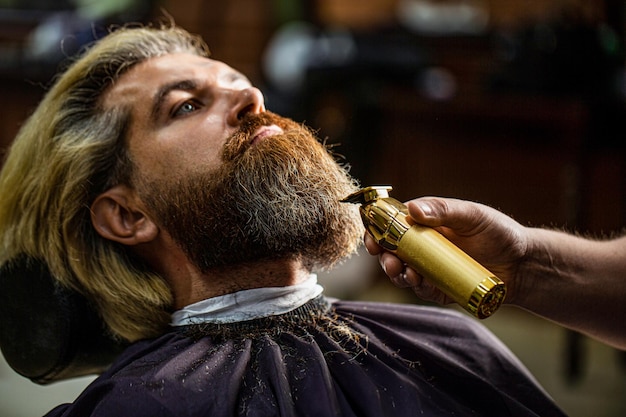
324 359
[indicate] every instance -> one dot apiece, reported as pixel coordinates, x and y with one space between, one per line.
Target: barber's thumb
424 212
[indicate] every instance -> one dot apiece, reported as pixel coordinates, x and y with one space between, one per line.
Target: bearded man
152 180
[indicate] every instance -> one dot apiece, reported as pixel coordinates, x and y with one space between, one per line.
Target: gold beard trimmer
429 253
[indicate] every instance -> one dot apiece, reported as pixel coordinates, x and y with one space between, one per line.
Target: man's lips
264 132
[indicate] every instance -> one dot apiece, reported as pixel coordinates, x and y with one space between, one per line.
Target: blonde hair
70 150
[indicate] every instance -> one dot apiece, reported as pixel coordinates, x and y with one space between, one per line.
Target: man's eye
185 108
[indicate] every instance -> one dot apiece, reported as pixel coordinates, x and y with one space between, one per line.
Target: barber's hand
493 239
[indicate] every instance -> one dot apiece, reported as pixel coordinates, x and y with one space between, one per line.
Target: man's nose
248 100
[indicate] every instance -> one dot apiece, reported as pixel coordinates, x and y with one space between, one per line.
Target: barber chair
49 333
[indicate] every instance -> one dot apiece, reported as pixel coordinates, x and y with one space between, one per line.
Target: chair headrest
48 332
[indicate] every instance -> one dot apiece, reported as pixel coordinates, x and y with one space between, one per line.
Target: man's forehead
139 82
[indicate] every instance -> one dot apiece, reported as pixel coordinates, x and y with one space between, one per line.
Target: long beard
275 200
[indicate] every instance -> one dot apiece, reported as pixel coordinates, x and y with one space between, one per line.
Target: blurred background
518 104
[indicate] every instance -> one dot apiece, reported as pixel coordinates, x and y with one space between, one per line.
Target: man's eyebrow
161 94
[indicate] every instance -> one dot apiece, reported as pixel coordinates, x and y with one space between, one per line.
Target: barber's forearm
576 282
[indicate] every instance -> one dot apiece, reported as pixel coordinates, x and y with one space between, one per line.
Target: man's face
183 108
231 183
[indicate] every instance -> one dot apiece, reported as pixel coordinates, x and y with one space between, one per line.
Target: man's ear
117 214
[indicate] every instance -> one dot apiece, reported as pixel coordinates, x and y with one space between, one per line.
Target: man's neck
196 286
189 285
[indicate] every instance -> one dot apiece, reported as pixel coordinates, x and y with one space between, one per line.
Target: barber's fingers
422 287
408 278
427 291
372 247
456 214
404 277
391 264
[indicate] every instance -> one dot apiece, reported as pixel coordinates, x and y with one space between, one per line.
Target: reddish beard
241 140
276 199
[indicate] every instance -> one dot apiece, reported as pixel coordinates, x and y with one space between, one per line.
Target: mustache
240 141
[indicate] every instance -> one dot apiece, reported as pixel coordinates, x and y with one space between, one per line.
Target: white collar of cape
248 304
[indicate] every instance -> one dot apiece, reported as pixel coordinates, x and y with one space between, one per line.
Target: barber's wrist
532 268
